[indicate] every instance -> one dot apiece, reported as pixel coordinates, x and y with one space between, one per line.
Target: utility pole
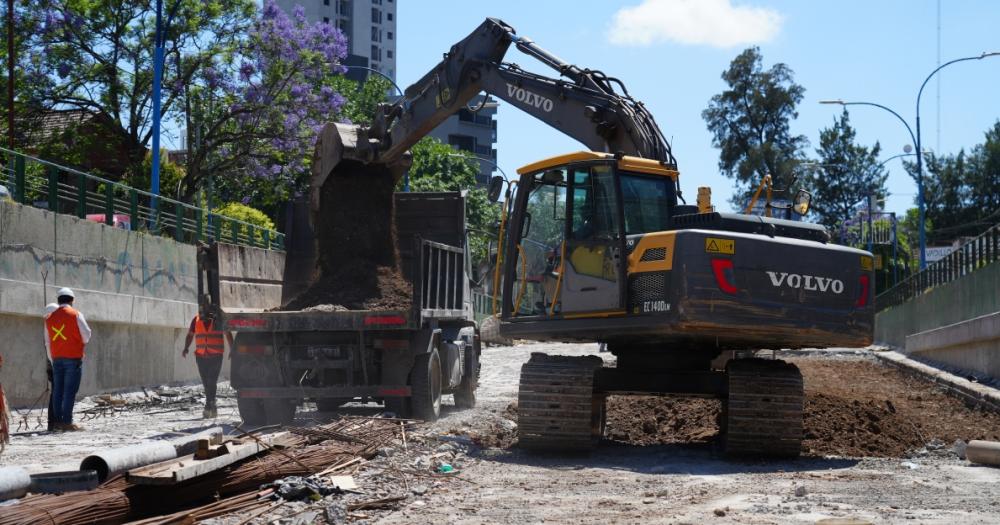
10 72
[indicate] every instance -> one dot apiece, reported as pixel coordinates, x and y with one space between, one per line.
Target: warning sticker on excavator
717 245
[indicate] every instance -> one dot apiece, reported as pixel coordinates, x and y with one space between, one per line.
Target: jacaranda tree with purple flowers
249 86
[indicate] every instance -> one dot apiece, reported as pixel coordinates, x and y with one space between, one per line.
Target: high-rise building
475 132
370 27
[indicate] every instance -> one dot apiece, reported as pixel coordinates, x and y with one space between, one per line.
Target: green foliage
962 191
749 122
438 167
247 214
361 99
848 174
171 176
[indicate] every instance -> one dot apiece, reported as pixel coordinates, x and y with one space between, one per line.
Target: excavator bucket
351 214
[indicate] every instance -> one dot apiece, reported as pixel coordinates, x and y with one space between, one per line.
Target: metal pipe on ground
14 482
985 452
114 461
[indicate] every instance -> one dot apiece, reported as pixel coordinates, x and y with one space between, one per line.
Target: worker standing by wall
209 349
49 308
66 336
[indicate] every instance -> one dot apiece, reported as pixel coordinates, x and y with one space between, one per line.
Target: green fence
971 256
36 182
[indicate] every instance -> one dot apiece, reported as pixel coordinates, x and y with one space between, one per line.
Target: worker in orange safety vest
66 336
209 349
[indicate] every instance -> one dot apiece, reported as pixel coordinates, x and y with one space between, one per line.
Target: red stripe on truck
385 320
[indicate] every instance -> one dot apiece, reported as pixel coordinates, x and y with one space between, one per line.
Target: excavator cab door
590 272
569 249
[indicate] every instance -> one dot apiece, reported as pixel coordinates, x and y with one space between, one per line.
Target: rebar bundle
326 448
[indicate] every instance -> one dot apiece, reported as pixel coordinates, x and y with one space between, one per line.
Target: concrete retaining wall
949 312
970 345
137 291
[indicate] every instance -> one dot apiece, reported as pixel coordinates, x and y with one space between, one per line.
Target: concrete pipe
985 452
14 482
115 461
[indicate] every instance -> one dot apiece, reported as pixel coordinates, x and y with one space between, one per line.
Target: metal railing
443 284
482 305
43 184
971 256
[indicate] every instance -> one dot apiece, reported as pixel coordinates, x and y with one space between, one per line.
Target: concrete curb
975 394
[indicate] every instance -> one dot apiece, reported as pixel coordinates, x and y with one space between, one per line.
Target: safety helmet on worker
66 292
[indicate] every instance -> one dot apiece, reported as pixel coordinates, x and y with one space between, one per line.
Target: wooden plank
187 467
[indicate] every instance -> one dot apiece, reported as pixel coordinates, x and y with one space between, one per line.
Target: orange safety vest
65 340
207 340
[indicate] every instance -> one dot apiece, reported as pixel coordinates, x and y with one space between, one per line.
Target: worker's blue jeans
65 383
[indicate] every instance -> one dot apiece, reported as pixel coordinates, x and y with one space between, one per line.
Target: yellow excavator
598 246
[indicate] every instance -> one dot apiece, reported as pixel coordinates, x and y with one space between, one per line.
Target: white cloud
716 23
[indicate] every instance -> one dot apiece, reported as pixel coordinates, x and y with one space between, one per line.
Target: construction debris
334 447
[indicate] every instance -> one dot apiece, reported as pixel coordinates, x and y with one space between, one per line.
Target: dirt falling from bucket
356 234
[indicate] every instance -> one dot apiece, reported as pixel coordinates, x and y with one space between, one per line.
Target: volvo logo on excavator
527 97
806 282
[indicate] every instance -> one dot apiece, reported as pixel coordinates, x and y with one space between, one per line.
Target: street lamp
916 142
377 72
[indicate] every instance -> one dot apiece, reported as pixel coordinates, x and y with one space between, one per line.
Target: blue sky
670 54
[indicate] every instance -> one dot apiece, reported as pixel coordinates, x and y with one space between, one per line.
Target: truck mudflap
344 392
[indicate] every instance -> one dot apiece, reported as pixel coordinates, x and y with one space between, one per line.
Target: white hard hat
65 292
51 307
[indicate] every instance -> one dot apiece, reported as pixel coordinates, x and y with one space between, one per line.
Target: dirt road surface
692 483
878 449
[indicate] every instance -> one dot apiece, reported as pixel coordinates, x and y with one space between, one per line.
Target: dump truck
598 245
406 357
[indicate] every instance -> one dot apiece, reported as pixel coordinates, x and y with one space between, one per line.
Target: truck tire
465 394
425 382
279 411
251 411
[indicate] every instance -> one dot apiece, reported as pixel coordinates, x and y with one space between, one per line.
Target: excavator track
763 415
556 404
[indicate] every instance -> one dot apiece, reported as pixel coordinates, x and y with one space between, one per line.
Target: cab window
644 199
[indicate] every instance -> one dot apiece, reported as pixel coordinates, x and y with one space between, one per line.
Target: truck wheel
251 411
465 394
279 411
425 382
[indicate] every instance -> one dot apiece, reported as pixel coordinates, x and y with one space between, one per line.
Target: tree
360 99
250 88
98 56
749 122
30 78
438 167
848 173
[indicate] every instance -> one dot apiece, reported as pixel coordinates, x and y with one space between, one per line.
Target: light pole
916 142
161 30
484 159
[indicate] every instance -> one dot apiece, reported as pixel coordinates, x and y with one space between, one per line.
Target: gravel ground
656 477
689 482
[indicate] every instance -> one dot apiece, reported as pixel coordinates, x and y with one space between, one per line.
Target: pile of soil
854 408
356 241
648 420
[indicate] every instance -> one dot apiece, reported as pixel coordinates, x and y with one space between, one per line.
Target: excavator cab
572 217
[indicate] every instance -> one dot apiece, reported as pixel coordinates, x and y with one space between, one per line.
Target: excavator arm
582 103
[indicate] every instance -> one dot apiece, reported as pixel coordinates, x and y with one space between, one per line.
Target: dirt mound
853 408
356 233
658 420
